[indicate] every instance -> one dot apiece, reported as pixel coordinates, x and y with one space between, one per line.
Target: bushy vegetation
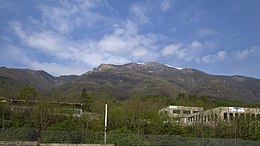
136 115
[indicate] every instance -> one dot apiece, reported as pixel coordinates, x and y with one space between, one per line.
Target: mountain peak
150 67
103 67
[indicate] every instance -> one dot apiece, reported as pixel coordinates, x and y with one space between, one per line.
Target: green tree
43 117
5 113
28 93
87 100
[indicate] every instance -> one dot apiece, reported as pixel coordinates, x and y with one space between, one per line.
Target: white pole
105 137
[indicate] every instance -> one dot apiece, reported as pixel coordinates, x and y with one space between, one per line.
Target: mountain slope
152 78
12 80
135 79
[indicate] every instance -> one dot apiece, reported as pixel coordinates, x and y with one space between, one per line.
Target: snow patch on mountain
173 67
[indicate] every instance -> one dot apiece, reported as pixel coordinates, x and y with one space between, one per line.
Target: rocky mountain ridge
137 79
132 79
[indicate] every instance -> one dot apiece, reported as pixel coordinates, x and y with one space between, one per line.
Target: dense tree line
136 115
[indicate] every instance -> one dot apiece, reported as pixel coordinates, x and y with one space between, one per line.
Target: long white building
190 115
177 113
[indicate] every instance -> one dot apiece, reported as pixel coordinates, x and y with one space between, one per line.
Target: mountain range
135 79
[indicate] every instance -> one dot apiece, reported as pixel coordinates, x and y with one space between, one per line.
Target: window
195 111
186 112
231 117
258 117
176 111
247 116
253 116
216 116
236 115
225 116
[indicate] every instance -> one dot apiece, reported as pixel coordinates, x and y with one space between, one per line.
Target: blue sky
72 37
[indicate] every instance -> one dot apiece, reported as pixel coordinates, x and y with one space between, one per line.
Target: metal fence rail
117 139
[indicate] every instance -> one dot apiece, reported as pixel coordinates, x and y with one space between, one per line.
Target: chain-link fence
117 139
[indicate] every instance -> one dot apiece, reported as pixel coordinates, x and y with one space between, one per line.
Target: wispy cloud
15 55
221 55
206 32
60 17
232 36
123 45
166 5
242 54
174 49
193 16
46 41
127 42
9 6
82 34
188 52
140 12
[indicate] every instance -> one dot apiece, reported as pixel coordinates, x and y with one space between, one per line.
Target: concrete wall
34 143
18 143
56 144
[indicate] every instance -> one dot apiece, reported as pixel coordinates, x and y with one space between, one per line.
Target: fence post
105 136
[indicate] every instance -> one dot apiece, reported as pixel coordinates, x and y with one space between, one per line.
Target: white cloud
174 49
123 45
45 41
6 39
18 29
173 29
139 52
196 45
206 32
113 43
126 42
221 55
69 15
58 69
242 54
52 35
14 55
232 36
193 16
187 51
199 46
140 13
166 5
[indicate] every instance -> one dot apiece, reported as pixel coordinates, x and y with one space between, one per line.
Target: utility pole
3 123
105 136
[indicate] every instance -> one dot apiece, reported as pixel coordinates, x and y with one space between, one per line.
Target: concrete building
190 115
179 112
64 108
222 114
2 100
